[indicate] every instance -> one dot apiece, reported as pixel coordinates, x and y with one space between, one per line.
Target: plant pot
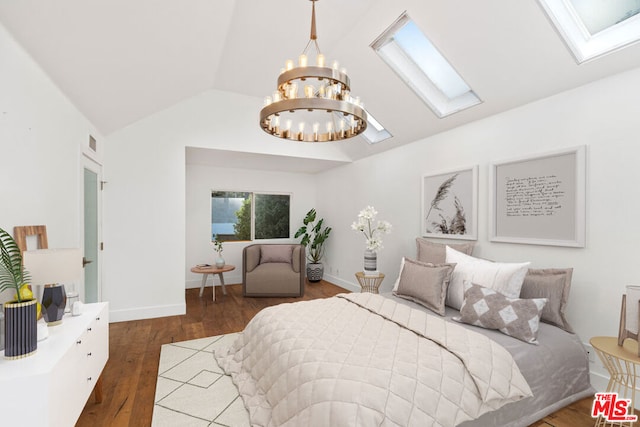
315 271
20 329
220 262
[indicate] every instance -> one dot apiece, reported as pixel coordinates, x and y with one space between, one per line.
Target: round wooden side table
206 270
623 365
369 283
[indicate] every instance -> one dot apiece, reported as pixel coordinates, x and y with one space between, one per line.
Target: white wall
144 216
603 116
41 133
202 179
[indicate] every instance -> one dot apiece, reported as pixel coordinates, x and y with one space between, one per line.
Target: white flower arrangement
366 218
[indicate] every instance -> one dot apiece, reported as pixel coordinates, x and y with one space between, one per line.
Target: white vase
370 262
219 262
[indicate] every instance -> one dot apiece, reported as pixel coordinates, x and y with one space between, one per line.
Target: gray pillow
276 253
484 307
435 253
424 283
553 284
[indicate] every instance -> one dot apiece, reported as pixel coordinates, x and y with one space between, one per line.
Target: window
592 28
405 48
375 132
241 215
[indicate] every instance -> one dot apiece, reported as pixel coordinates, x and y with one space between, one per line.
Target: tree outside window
238 216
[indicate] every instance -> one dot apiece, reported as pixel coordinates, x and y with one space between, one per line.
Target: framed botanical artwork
450 204
540 200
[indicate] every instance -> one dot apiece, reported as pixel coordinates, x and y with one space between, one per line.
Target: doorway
92 229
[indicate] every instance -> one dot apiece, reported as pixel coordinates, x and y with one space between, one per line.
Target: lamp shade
47 266
633 296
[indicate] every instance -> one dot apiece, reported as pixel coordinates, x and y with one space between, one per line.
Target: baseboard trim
140 313
353 287
599 381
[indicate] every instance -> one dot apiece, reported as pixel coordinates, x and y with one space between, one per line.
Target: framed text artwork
540 200
450 204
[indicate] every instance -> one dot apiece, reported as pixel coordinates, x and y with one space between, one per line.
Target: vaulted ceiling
119 61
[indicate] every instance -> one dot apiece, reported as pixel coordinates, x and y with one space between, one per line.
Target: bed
365 359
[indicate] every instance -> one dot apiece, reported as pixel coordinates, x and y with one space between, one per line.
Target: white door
92 229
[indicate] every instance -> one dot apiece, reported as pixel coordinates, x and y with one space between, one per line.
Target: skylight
375 132
592 28
405 48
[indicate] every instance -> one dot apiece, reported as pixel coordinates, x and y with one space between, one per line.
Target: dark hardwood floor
129 379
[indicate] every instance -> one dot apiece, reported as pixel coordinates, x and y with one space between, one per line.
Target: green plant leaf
311 216
302 230
313 236
12 274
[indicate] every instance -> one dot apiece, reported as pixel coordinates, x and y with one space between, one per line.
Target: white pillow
395 285
502 277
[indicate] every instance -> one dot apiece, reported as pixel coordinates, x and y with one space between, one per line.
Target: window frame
408 69
583 45
252 236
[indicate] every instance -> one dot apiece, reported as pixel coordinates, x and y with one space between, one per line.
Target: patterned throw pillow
484 307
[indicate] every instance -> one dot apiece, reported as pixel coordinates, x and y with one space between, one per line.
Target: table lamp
52 268
630 315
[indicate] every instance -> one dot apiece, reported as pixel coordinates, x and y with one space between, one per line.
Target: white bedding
364 360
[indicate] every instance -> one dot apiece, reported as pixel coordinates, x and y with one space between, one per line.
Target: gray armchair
273 270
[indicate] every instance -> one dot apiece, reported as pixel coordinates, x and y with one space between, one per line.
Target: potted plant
313 238
21 338
373 237
217 246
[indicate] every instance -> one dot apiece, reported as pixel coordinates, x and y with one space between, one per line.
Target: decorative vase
370 262
219 262
20 329
54 301
315 271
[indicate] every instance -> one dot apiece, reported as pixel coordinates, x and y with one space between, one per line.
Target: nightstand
369 283
623 365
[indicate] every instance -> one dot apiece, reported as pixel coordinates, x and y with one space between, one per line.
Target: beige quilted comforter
364 360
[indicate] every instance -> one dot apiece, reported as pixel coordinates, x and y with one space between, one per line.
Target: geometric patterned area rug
192 389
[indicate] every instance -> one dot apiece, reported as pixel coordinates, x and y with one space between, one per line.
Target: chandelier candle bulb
289 65
276 96
293 91
320 60
267 100
302 60
336 65
329 92
308 91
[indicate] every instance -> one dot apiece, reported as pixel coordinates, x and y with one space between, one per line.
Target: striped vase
370 262
21 334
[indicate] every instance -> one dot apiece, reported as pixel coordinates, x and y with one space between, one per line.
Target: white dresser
52 387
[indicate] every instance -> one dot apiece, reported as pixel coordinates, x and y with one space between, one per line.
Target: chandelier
313 103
